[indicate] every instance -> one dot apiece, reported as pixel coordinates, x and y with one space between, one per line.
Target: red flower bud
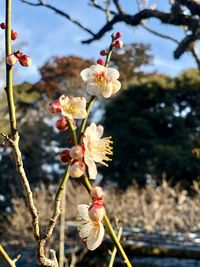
118 44
3 25
25 61
14 35
64 156
103 53
18 54
11 59
101 61
97 193
61 124
118 35
55 107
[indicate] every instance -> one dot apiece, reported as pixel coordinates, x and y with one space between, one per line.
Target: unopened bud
14 35
76 169
97 193
76 152
3 25
96 212
55 107
118 35
61 124
118 44
103 52
18 54
101 61
11 59
64 156
25 61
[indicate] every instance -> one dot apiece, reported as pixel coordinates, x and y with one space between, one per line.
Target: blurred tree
129 61
153 126
61 75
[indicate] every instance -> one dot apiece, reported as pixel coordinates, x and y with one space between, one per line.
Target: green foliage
154 125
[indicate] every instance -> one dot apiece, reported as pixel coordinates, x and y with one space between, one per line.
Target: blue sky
47 34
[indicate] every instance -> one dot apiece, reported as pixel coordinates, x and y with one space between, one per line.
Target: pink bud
3 25
61 124
103 53
96 212
55 107
118 44
101 61
76 152
118 35
64 156
25 61
11 59
97 193
76 169
14 35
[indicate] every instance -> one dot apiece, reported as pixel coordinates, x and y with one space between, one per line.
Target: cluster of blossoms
13 58
91 148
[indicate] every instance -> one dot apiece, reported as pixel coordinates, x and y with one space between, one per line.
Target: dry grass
153 208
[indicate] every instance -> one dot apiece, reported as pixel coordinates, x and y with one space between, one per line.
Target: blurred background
154 121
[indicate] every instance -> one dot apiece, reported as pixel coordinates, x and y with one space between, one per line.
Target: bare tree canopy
183 14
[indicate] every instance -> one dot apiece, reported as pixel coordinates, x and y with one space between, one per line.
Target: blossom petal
92 169
107 90
83 210
96 240
86 74
99 131
93 89
116 86
112 73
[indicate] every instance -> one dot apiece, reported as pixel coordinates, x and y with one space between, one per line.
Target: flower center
100 78
71 108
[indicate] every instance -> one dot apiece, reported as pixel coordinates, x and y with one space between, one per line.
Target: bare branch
62 13
195 53
159 34
119 7
184 45
193 6
136 19
8 260
93 3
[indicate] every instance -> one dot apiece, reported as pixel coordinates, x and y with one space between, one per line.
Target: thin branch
193 6
184 45
62 13
113 253
8 260
160 34
136 19
119 7
57 205
195 54
93 3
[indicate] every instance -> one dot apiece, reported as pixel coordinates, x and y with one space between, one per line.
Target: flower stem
73 132
86 183
83 124
112 258
109 52
9 84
